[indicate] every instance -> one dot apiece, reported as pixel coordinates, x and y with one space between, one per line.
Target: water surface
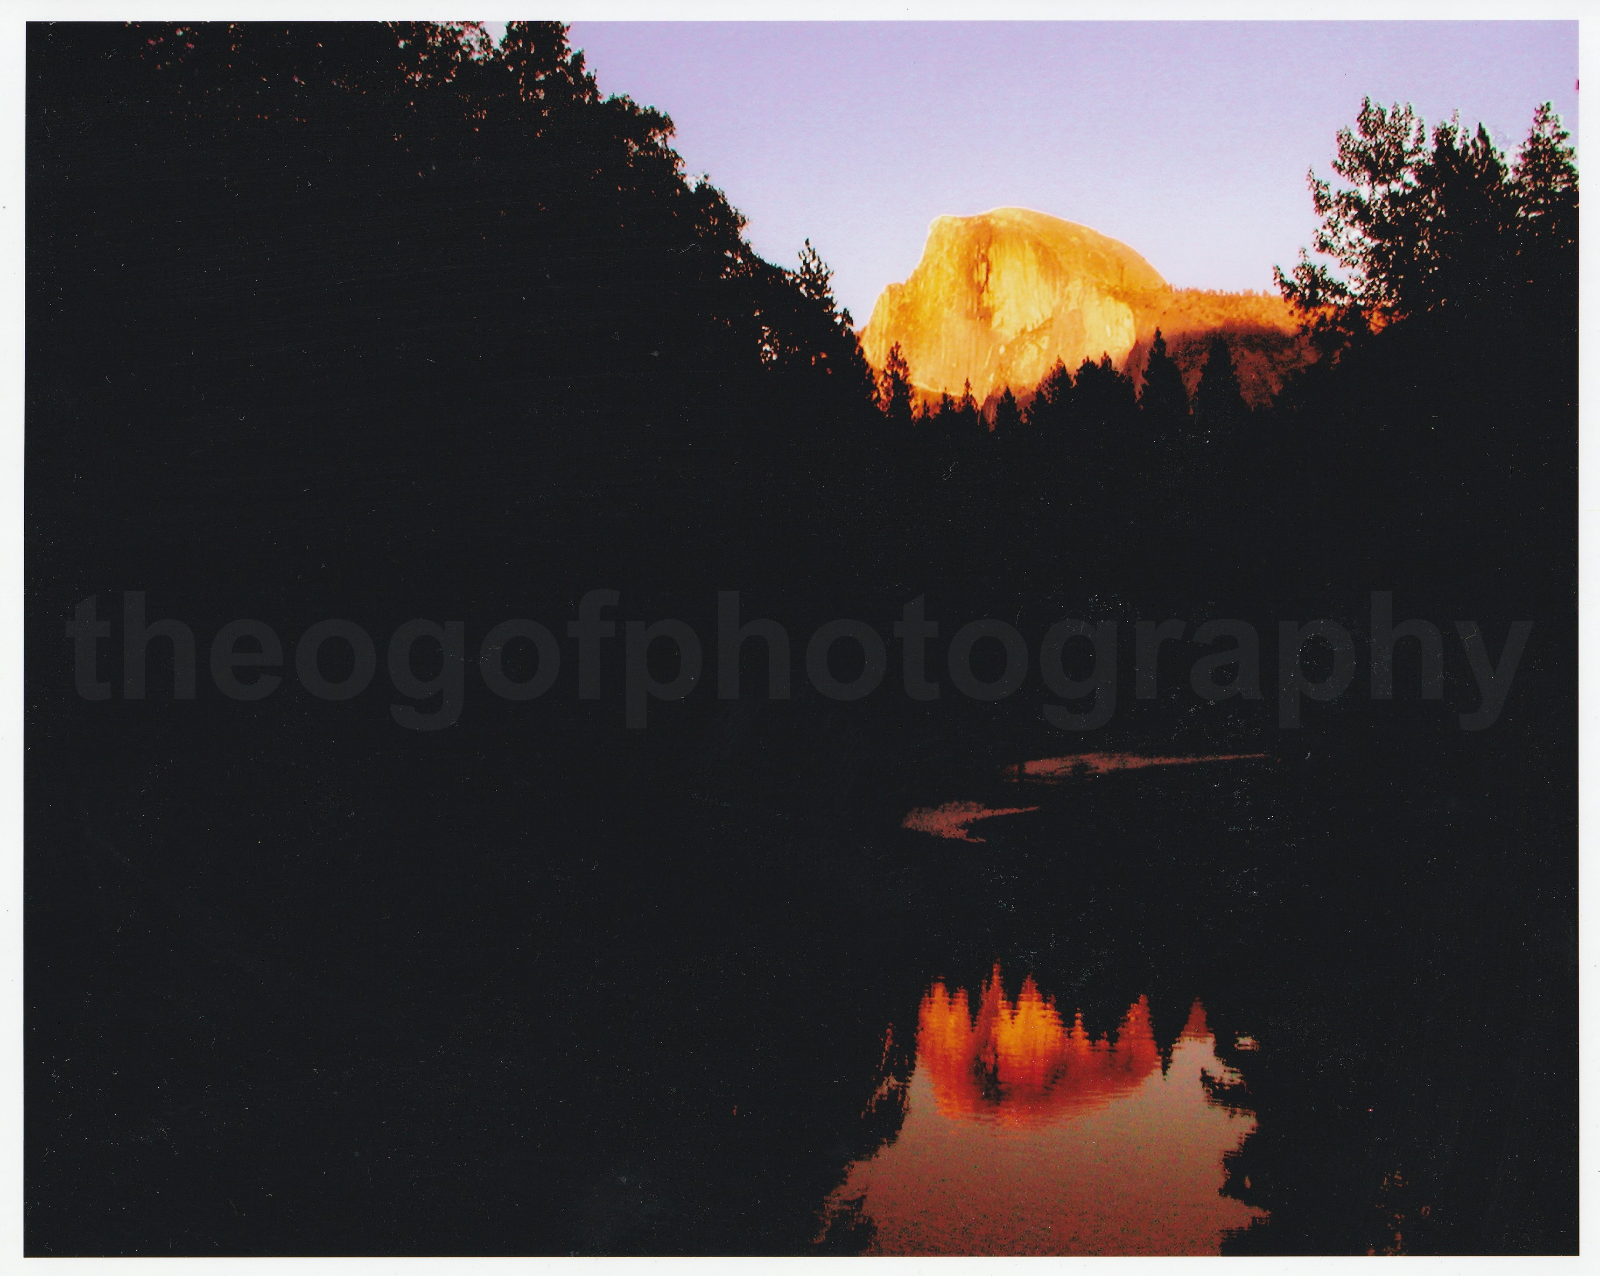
1023 1133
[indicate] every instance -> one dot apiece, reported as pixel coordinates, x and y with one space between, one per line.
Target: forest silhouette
274 261
388 320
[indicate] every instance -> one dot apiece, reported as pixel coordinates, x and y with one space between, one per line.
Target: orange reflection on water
1018 1063
953 819
1078 764
1024 1134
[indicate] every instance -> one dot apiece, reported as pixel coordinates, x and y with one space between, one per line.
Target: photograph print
801 638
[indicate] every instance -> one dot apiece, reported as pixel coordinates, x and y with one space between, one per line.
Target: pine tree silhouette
1218 403
1545 186
1007 417
1050 413
969 416
1163 399
894 388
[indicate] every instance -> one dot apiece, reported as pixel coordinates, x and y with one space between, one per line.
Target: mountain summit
999 297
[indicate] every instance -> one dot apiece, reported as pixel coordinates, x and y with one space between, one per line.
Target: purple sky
1187 141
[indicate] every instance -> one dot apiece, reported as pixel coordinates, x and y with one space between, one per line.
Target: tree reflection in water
1023 1134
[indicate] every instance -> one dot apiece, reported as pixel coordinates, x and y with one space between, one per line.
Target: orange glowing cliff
998 298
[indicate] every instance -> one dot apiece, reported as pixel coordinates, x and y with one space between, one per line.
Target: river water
1155 998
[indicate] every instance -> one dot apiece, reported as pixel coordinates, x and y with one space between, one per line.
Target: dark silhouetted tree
1103 397
1218 403
1545 186
816 335
1049 415
894 388
1443 229
1371 225
1546 178
1007 417
1467 250
1164 400
967 422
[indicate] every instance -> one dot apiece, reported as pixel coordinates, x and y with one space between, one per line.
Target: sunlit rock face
998 298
